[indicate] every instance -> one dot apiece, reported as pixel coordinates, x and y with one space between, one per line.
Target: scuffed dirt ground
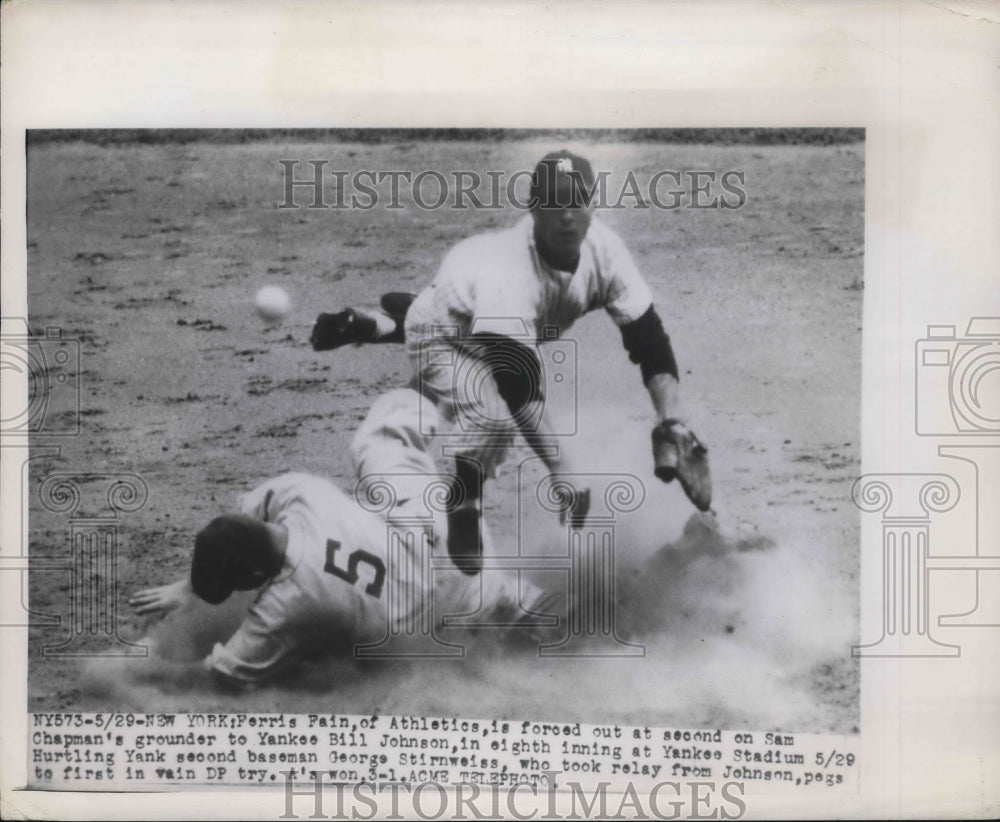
149 255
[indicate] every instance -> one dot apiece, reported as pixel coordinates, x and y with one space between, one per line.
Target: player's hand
574 501
161 600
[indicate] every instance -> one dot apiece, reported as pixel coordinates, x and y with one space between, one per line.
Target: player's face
249 570
239 575
561 224
247 577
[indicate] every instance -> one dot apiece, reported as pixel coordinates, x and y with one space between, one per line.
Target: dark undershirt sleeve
649 346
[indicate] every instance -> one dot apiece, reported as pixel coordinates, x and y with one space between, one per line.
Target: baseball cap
552 170
230 553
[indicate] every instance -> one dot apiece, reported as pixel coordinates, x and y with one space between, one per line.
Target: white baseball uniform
497 282
347 557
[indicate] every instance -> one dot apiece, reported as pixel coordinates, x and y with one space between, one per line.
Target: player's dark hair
547 174
230 553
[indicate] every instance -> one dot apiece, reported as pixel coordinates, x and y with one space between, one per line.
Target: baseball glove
346 327
677 452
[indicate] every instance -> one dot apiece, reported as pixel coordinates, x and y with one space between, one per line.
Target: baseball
272 303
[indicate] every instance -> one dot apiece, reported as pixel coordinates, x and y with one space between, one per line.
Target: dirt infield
149 255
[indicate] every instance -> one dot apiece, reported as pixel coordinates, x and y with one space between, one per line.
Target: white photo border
919 77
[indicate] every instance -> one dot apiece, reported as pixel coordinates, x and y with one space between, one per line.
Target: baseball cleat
465 542
344 328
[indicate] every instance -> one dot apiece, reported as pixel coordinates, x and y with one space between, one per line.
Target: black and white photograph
470 359
502 450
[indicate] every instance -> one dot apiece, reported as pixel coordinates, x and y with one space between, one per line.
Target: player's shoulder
491 244
604 237
300 482
612 255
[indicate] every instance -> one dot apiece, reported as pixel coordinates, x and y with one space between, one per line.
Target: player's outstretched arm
664 391
649 347
162 599
677 451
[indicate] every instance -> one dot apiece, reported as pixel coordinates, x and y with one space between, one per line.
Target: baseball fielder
319 558
495 298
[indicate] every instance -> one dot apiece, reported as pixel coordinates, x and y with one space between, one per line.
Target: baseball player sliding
319 557
495 298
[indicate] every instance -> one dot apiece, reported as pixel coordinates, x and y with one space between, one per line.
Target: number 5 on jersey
351 576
